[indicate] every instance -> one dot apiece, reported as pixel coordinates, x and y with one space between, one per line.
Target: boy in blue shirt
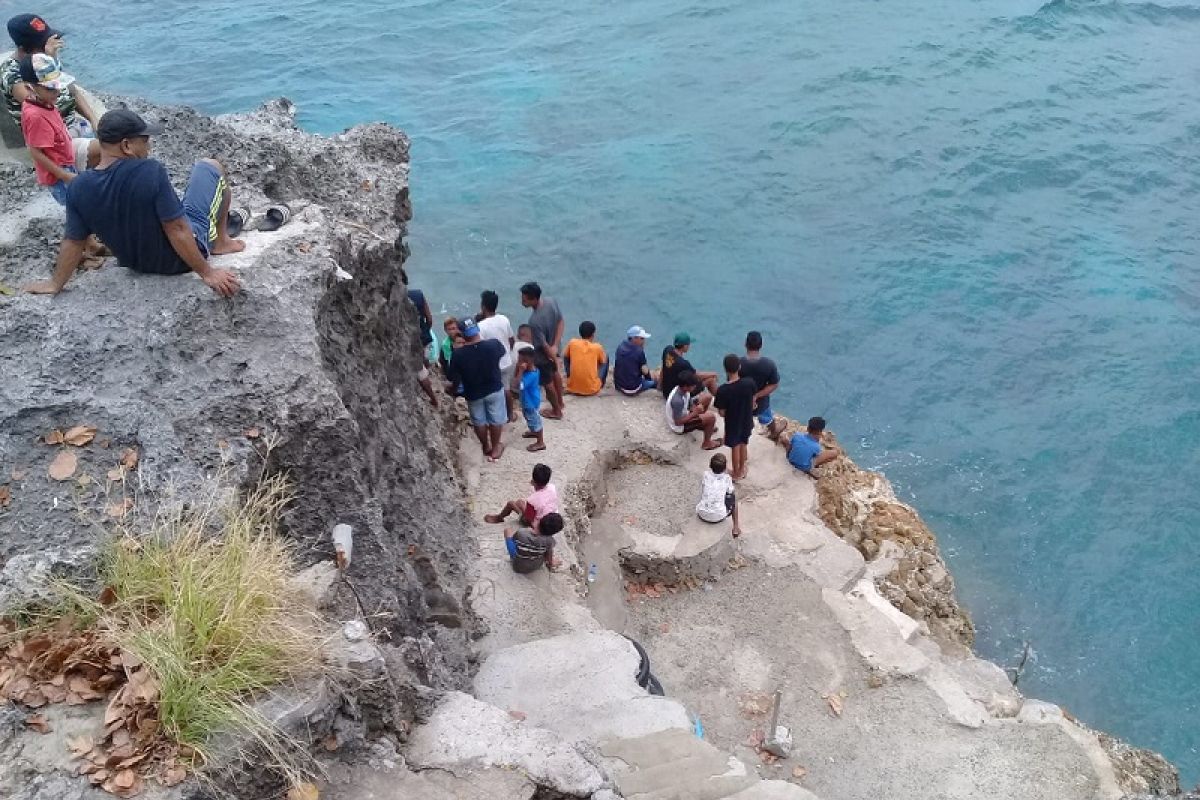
528 380
804 449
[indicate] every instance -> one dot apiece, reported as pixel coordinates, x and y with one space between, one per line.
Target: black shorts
737 433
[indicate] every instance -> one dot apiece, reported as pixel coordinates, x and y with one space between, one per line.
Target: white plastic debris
343 543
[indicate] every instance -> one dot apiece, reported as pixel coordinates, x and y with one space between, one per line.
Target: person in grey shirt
547 323
529 551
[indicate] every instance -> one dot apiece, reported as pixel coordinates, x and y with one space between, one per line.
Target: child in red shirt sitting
45 132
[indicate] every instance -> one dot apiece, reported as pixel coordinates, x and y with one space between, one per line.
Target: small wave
1152 12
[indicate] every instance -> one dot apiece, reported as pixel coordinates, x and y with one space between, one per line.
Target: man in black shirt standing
476 365
735 402
675 363
765 375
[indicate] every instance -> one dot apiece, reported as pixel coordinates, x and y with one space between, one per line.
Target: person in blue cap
34 36
477 366
631 374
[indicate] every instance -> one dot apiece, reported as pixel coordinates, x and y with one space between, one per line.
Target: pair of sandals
274 218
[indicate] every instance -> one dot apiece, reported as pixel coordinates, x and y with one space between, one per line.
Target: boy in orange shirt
585 362
45 132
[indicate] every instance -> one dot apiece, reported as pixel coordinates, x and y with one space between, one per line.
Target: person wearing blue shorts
765 375
528 378
476 365
129 202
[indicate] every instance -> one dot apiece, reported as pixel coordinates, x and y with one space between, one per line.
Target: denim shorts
533 418
763 413
490 410
58 189
202 203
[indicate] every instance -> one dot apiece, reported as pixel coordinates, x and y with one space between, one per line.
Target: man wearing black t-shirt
735 402
674 364
765 375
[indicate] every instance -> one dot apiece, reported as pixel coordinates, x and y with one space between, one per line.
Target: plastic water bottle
343 544
592 570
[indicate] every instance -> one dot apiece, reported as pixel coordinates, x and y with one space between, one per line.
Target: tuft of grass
203 600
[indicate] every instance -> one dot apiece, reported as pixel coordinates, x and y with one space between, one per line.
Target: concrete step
675 765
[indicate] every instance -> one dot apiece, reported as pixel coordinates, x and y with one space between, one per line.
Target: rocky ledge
483 683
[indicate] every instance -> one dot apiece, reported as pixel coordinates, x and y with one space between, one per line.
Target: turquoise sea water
967 230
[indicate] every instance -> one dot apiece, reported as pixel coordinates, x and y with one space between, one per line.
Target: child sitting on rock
717 499
529 550
529 389
542 501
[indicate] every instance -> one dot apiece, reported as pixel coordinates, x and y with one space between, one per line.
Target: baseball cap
469 328
30 30
124 124
682 338
45 70
637 332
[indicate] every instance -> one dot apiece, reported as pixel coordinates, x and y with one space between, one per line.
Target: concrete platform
876 708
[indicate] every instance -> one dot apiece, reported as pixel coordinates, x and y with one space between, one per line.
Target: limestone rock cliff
310 370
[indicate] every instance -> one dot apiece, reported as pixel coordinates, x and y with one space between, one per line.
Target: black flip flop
237 221
275 217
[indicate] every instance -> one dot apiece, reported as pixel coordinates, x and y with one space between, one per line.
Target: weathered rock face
860 506
316 358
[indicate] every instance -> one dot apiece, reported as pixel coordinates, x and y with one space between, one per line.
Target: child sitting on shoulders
717 499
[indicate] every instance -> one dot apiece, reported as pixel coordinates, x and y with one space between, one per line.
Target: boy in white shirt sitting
717 500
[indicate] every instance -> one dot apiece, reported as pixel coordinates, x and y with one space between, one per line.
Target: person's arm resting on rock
180 235
70 256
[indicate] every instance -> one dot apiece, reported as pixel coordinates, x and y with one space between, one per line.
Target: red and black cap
30 32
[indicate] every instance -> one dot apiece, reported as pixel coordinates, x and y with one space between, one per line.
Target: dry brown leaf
108 596
52 693
754 704
5 496
53 437
303 791
80 745
63 466
835 704
80 435
124 779
173 776
664 628
38 722
129 458
304 247
98 777
104 442
253 433
519 716
799 772
366 186
116 474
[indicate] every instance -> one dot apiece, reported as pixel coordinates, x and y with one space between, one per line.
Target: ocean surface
968 232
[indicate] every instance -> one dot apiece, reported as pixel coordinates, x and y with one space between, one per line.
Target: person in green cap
674 363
